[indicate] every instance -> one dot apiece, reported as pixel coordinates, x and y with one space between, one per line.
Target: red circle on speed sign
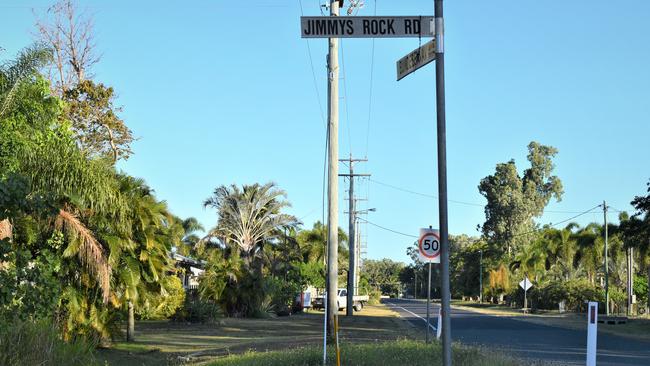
429 245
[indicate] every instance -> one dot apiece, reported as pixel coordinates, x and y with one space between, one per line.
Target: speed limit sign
429 245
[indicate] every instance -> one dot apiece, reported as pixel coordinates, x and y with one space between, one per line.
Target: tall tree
69 32
513 201
95 123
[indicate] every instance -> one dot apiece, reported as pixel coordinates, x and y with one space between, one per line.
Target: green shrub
196 310
547 296
374 297
581 291
40 343
282 294
162 305
641 289
619 299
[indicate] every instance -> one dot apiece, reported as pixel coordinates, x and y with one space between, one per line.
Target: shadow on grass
161 342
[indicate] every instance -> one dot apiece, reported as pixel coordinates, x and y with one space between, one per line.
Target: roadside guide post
526 285
592 333
429 249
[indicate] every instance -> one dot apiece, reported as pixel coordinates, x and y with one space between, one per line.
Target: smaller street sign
429 245
367 27
416 59
525 284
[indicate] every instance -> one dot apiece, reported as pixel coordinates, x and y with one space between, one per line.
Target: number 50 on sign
429 245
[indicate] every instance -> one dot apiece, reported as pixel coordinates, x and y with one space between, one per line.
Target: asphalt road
527 340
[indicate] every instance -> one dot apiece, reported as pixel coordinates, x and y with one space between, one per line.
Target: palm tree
143 254
590 249
531 259
188 231
250 216
562 246
13 73
313 243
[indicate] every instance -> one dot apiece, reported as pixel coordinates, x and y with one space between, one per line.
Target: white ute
359 301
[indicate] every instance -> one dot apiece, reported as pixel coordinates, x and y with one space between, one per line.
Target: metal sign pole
428 301
442 181
525 293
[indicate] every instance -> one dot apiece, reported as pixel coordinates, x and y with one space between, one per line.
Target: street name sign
525 284
416 59
429 245
367 27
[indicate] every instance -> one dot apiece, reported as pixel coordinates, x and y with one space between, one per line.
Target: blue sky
223 92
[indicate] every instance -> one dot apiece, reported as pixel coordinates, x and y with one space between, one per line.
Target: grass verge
402 352
165 343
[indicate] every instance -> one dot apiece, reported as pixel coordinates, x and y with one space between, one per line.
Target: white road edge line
412 313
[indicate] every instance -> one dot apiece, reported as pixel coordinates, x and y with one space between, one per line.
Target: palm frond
90 251
28 62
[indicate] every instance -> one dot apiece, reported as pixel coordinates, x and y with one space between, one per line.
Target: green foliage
383 275
514 200
249 216
283 291
95 124
374 297
40 343
196 310
641 289
164 304
313 273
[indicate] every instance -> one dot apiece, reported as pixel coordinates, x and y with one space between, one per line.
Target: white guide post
439 330
592 333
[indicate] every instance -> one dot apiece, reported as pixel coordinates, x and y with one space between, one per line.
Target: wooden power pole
332 178
352 268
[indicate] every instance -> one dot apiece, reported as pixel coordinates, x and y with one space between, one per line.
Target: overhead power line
521 234
561 222
387 229
313 73
454 201
345 97
372 72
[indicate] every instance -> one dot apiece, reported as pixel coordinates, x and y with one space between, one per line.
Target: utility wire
313 73
561 222
345 97
521 234
450 200
372 72
385 228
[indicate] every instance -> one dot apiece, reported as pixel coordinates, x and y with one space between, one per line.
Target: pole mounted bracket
440 34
